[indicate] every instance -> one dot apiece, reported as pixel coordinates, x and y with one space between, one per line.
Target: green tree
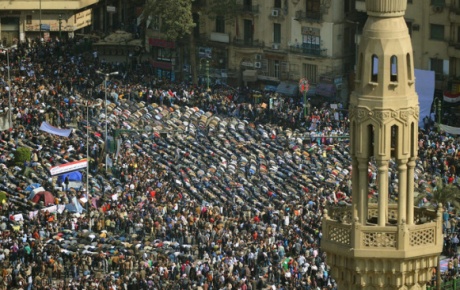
177 21
443 193
176 16
21 155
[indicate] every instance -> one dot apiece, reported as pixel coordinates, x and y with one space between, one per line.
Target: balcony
248 43
309 51
252 9
454 49
342 235
308 16
454 15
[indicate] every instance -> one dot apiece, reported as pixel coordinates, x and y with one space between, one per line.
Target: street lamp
207 72
438 105
60 25
107 75
10 122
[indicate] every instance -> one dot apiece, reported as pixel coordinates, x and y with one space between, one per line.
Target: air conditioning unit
275 46
258 64
438 9
275 13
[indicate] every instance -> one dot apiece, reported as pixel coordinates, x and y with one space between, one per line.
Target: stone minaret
389 244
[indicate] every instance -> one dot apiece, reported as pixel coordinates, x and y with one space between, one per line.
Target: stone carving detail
379 240
404 115
340 235
422 237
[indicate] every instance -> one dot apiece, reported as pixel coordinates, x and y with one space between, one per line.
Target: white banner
56 131
68 167
4 122
450 130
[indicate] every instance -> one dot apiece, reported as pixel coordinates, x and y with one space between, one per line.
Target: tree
22 155
445 194
177 21
176 16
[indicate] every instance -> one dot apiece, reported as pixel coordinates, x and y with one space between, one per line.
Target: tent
32 186
73 176
45 196
75 206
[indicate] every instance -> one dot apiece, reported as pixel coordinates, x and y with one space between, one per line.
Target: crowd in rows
172 213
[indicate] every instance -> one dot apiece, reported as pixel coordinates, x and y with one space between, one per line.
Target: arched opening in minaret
375 69
394 141
370 130
409 67
394 69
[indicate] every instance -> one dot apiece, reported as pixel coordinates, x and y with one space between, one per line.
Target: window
28 19
220 24
409 67
436 32
310 72
313 6
154 22
277 69
277 33
437 66
438 3
394 69
375 69
277 4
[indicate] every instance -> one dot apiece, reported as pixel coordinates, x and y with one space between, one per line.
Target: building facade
385 243
267 42
21 19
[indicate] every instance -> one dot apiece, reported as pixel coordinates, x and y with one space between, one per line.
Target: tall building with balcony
20 20
269 42
385 243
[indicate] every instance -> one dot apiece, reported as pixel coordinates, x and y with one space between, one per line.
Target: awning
288 89
250 75
326 90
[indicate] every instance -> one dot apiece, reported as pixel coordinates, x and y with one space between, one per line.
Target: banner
56 131
424 86
450 130
451 97
4 122
68 167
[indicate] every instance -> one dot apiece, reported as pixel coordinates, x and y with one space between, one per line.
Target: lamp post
10 122
438 104
40 22
60 25
207 72
107 75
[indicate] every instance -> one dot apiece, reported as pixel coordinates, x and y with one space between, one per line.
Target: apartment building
274 41
22 19
264 44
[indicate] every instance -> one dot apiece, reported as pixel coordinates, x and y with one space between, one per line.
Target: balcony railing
308 16
319 52
249 8
248 43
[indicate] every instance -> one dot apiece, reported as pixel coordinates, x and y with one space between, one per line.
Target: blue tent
73 176
75 206
32 186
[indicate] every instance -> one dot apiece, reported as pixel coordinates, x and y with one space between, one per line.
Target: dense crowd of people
230 198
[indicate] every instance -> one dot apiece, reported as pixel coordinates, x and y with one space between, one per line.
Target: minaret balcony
351 238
